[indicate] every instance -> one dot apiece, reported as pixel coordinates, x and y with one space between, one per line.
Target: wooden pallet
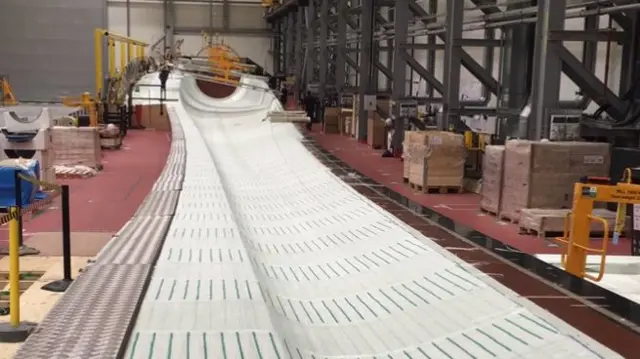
112 147
554 234
436 190
507 218
489 211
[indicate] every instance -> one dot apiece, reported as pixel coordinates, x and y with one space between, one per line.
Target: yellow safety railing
567 243
13 218
129 50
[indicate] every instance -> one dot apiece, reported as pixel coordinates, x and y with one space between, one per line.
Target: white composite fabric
270 255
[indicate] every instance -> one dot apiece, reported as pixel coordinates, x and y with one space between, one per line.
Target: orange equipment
87 103
578 222
8 98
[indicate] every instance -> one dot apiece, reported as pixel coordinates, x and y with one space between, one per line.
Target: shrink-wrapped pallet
355 115
492 176
407 148
550 222
542 174
77 146
437 160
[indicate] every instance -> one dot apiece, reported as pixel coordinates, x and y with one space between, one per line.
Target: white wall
146 24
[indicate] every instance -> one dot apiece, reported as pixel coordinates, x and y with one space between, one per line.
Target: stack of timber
492 176
77 146
549 223
436 162
542 174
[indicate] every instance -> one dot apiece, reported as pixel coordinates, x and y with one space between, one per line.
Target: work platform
250 247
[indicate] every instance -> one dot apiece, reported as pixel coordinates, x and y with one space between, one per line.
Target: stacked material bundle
492 175
77 146
542 174
437 160
551 222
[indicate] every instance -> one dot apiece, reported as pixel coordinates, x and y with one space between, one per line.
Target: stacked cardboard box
407 150
331 121
542 174
77 146
492 176
437 160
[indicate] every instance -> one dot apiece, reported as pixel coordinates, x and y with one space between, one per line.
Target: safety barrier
16 330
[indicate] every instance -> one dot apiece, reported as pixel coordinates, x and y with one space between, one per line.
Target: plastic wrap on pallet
542 174
437 159
492 176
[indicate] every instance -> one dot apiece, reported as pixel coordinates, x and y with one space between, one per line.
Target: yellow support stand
14 331
112 57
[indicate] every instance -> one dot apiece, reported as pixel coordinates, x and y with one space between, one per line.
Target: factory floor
463 209
100 206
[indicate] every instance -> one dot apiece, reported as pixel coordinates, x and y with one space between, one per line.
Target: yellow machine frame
87 103
129 49
578 222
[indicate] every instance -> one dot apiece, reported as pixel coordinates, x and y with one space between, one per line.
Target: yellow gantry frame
578 223
129 49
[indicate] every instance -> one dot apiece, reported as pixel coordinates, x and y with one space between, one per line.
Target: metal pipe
487 25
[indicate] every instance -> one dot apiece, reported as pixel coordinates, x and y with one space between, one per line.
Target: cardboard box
542 174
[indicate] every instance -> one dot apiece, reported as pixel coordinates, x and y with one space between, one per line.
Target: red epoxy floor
104 203
462 208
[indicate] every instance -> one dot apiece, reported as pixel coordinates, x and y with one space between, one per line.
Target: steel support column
299 51
515 73
547 66
401 24
289 44
630 68
366 85
341 46
431 52
452 64
323 57
310 51
401 20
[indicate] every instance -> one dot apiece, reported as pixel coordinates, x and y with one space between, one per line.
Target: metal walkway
267 254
